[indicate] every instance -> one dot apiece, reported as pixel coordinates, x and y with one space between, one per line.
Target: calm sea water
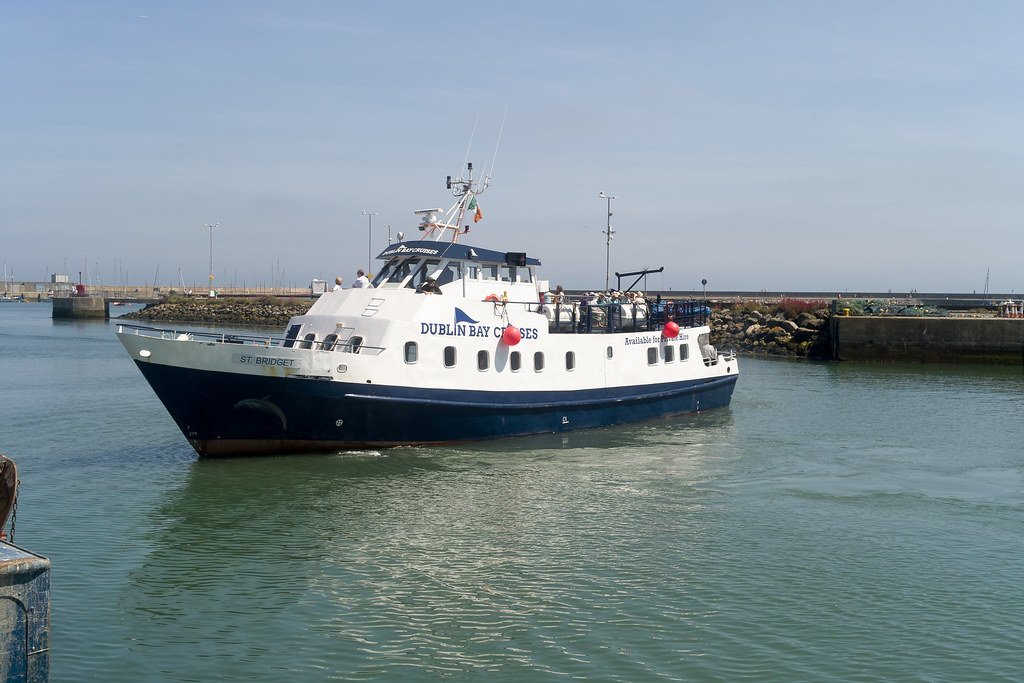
839 521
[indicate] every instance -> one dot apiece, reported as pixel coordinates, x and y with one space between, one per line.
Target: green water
838 522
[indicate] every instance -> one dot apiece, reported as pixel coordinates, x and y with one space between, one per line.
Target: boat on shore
450 343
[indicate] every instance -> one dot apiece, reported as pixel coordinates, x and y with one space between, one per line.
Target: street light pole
369 233
211 226
608 242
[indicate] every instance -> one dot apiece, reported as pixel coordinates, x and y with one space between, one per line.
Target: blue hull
234 414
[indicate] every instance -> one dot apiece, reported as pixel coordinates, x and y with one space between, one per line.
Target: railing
251 340
576 317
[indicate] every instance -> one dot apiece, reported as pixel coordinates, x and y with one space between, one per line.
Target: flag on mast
479 215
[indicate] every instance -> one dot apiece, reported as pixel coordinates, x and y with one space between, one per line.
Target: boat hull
226 413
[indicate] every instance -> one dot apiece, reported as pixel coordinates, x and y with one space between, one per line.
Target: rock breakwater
259 311
797 329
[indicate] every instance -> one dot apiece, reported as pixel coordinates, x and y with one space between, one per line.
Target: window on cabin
449 356
472 272
400 271
385 273
412 352
670 353
423 272
610 352
354 343
684 352
451 271
483 360
329 342
652 355
515 361
307 341
538 361
570 360
291 336
526 274
508 273
490 272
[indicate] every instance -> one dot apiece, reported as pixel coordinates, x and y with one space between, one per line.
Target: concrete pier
928 340
80 307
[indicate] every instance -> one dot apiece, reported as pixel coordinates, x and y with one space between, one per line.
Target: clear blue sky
763 145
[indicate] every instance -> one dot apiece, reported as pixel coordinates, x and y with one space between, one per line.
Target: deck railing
578 317
262 341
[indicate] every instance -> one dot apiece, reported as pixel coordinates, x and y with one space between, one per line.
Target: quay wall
928 340
80 307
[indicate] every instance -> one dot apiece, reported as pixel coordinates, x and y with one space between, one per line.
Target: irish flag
479 215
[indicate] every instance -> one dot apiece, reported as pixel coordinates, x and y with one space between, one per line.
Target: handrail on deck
585 317
250 340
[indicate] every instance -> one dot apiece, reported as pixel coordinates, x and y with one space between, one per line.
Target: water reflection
498 556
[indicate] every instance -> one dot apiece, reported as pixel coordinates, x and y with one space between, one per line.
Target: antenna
490 171
470 145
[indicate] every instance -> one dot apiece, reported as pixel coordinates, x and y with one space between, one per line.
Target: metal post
369 233
211 226
608 242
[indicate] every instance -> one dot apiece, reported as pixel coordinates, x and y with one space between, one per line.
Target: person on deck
337 283
430 286
362 282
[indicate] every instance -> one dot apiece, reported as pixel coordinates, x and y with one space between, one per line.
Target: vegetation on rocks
256 311
790 327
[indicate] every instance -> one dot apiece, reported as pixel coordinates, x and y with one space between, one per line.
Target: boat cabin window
508 273
291 335
670 353
449 356
354 343
450 272
411 352
538 361
684 352
307 341
610 352
399 272
526 274
490 272
570 360
425 270
385 273
515 361
483 360
472 272
329 342
652 355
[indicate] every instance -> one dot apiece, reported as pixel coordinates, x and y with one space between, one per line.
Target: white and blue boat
452 343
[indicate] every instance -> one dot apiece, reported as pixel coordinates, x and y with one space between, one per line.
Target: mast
465 190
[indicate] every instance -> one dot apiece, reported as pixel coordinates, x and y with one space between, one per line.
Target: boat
451 343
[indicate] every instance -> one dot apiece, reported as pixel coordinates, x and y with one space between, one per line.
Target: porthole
652 355
411 352
570 360
449 356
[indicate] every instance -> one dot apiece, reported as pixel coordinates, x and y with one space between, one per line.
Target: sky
780 146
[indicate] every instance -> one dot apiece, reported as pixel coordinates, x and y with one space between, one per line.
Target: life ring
491 297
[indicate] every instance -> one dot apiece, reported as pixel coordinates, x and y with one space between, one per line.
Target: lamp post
369 232
608 242
211 226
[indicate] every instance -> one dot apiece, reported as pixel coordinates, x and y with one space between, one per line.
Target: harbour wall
80 307
927 340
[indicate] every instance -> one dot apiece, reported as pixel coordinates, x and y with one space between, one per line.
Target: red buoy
511 336
671 329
